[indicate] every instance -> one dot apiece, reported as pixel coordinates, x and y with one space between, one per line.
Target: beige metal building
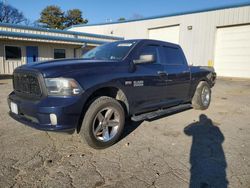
218 37
22 44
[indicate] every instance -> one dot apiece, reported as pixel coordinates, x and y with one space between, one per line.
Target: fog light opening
53 119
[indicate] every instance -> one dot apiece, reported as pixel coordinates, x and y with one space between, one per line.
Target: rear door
178 75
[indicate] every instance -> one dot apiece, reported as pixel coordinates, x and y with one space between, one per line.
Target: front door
148 82
32 54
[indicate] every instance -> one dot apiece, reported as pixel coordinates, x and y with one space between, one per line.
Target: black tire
98 106
198 101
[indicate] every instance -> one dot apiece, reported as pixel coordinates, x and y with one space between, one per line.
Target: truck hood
55 68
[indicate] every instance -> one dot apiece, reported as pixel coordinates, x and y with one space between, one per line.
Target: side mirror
146 58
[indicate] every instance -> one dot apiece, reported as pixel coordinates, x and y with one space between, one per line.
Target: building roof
49 38
58 31
166 15
20 32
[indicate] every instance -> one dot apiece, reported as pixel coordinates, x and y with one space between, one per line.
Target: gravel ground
190 149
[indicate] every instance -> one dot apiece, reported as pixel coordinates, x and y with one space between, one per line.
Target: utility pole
108 20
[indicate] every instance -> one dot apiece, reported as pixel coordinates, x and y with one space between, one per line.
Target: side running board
162 112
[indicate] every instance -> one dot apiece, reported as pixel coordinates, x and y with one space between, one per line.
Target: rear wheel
103 122
202 97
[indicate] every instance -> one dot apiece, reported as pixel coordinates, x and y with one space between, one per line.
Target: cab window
150 50
172 56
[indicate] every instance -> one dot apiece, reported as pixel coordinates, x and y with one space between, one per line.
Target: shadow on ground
207 158
130 125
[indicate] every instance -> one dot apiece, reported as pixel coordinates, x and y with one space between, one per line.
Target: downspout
83 46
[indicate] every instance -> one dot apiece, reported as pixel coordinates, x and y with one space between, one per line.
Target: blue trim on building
163 16
47 37
59 31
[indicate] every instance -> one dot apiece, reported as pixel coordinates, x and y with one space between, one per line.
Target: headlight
62 86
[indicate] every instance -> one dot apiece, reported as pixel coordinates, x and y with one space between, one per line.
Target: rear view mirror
146 58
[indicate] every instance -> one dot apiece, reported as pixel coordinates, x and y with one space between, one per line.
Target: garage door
232 51
169 34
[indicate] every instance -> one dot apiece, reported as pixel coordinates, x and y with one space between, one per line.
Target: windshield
110 51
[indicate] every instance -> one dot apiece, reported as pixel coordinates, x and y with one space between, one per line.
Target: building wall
45 52
198 43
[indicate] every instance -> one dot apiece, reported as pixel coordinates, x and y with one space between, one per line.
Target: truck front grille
26 84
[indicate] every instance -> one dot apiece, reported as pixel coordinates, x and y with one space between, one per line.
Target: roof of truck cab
162 43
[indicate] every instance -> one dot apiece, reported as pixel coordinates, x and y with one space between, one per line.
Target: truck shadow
207 158
130 125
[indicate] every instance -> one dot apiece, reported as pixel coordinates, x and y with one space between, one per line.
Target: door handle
162 73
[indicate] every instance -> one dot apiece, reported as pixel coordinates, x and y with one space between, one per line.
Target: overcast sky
98 11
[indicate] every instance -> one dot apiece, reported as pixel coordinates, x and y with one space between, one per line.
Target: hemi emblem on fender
138 83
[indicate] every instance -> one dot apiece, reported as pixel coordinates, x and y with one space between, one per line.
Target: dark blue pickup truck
94 95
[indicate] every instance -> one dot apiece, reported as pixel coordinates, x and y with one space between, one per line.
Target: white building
22 44
219 37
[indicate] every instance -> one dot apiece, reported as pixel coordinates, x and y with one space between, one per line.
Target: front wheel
103 122
202 96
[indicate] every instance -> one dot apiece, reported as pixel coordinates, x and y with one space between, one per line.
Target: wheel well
195 86
113 92
205 80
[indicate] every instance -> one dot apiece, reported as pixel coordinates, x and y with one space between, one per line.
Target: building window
59 53
13 53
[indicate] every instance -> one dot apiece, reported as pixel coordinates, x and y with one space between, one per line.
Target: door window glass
172 56
150 50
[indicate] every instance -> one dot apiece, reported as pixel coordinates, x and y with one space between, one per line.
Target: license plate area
13 108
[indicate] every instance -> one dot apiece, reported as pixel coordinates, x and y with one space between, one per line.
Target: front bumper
36 113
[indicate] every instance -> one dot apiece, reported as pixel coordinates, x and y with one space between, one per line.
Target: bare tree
9 14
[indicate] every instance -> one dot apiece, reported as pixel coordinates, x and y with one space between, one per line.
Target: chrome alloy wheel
205 96
106 124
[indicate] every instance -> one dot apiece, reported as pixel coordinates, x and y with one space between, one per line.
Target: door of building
31 54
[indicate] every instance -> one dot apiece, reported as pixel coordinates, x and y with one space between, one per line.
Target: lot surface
209 147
